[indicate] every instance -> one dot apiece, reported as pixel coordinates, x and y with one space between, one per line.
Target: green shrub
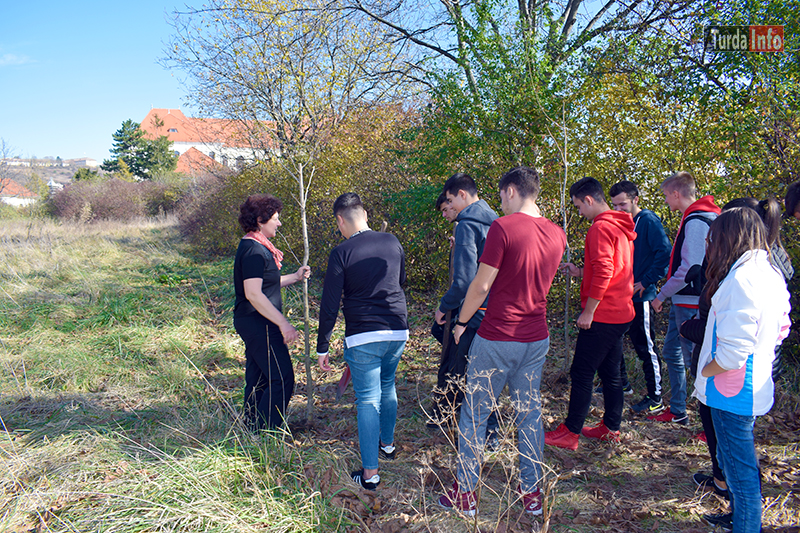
209 211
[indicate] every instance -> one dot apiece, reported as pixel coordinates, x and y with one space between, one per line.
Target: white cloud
13 59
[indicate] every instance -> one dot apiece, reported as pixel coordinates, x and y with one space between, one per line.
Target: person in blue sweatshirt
474 216
651 250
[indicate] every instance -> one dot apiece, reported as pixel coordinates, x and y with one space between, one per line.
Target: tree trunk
567 349
302 198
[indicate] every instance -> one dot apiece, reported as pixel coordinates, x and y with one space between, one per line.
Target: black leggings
711 438
268 373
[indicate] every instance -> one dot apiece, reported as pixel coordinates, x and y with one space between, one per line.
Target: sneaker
627 390
369 484
434 418
723 521
668 416
562 438
531 501
600 431
649 406
463 502
707 482
386 452
702 437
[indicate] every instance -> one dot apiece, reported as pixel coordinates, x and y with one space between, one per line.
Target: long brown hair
770 212
734 232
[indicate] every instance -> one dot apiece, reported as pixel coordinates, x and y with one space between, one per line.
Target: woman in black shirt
257 315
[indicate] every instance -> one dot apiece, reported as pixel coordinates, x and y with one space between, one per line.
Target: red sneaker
701 436
668 416
562 438
600 431
531 501
463 502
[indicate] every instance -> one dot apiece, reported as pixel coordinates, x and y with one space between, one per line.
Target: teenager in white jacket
749 316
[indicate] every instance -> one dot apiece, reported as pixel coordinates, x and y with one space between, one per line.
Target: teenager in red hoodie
606 299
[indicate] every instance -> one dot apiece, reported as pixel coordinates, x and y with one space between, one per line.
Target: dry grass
121 377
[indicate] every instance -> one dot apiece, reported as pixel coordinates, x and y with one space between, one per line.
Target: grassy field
121 381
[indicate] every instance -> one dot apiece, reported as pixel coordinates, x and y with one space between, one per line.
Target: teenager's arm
587 315
659 247
465 266
476 295
601 264
692 253
329 304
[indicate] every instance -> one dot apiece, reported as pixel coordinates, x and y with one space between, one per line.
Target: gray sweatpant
492 366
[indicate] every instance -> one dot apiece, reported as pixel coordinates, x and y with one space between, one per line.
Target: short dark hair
524 179
792 199
587 187
258 208
440 200
460 182
624 186
347 205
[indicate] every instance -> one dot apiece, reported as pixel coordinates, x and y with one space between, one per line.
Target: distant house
54 186
12 193
82 162
222 143
16 162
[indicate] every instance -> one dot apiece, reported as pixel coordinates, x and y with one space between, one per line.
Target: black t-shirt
253 260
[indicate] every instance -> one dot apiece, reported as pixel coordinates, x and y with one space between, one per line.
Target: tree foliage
86 174
142 157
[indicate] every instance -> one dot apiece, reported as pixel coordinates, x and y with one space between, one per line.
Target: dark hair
440 200
683 182
624 186
258 208
460 182
770 212
732 233
792 199
587 187
347 205
524 179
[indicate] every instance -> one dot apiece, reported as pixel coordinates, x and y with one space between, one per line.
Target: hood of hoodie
622 220
705 204
479 212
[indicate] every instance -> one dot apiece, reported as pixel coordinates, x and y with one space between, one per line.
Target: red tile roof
11 189
193 161
179 128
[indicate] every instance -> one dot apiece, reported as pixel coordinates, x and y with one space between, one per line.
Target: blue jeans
677 353
492 366
736 454
372 367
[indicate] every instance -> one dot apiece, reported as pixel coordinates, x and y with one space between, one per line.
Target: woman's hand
304 272
290 335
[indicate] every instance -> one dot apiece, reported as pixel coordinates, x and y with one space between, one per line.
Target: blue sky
72 72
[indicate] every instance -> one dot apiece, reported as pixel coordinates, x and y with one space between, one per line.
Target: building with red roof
204 144
13 193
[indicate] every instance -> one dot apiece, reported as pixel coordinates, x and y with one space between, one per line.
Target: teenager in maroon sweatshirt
606 299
